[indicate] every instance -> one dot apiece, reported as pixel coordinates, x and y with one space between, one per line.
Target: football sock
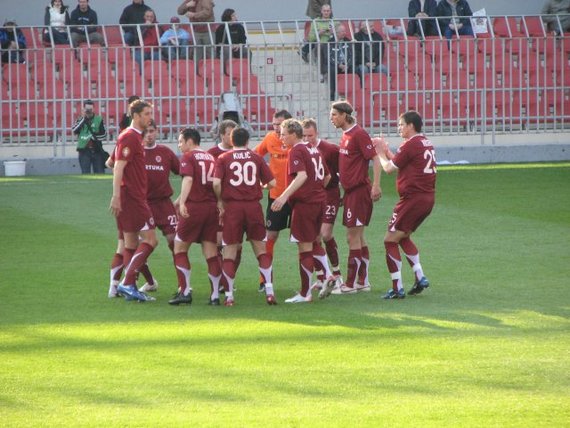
269 244
229 272
116 268
306 267
146 273
363 270
214 273
238 258
353 267
137 262
321 262
394 263
265 268
127 256
413 256
183 271
332 252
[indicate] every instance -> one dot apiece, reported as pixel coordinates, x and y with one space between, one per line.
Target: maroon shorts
306 221
411 211
201 225
164 215
135 215
357 207
332 205
240 217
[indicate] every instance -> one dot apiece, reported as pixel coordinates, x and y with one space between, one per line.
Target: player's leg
363 283
394 263
116 269
144 247
229 272
210 251
354 239
330 246
265 269
306 267
413 255
183 272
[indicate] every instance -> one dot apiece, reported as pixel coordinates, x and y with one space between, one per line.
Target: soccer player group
220 201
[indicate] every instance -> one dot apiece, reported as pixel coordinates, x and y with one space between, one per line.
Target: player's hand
278 204
381 145
115 205
376 193
221 212
184 211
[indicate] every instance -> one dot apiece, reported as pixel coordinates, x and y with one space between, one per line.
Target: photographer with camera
91 131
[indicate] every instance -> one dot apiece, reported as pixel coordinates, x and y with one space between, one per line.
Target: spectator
422 9
84 20
369 52
314 8
56 18
175 41
340 57
323 26
448 11
557 7
199 13
126 119
132 15
237 37
90 130
150 39
12 42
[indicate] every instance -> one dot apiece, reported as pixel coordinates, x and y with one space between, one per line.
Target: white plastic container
14 168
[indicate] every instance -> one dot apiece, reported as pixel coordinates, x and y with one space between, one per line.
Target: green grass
486 345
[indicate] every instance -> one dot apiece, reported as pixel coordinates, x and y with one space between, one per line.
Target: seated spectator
56 18
557 7
150 39
12 42
132 15
449 24
369 52
84 21
175 41
323 27
340 57
232 47
422 9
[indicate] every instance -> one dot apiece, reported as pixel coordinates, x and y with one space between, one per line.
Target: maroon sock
138 260
265 268
214 271
182 265
332 251
229 271
393 261
238 258
306 267
354 257
363 270
409 248
145 271
117 266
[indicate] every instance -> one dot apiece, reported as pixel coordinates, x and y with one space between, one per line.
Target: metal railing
514 78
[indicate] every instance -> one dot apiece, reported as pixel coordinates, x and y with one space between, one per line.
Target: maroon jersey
415 160
242 173
217 150
329 152
200 166
304 157
356 150
129 148
160 161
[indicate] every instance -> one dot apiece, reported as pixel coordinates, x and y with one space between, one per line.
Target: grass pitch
486 345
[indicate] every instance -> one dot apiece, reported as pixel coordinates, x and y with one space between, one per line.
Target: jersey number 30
244 173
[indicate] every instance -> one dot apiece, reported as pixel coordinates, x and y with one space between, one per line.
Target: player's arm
384 154
270 185
217 185
376 192
184 193
118 172
327 180
295 185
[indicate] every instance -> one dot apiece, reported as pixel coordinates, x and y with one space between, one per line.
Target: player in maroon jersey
329 153
160 161
416 165
307 177
356 152
239 176
198 220
129 201
225 132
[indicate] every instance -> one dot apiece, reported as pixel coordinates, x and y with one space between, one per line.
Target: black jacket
444 12
133 14
88 17
370 48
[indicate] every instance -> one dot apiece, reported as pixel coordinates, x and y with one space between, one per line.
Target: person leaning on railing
84 21
13 42
56 18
